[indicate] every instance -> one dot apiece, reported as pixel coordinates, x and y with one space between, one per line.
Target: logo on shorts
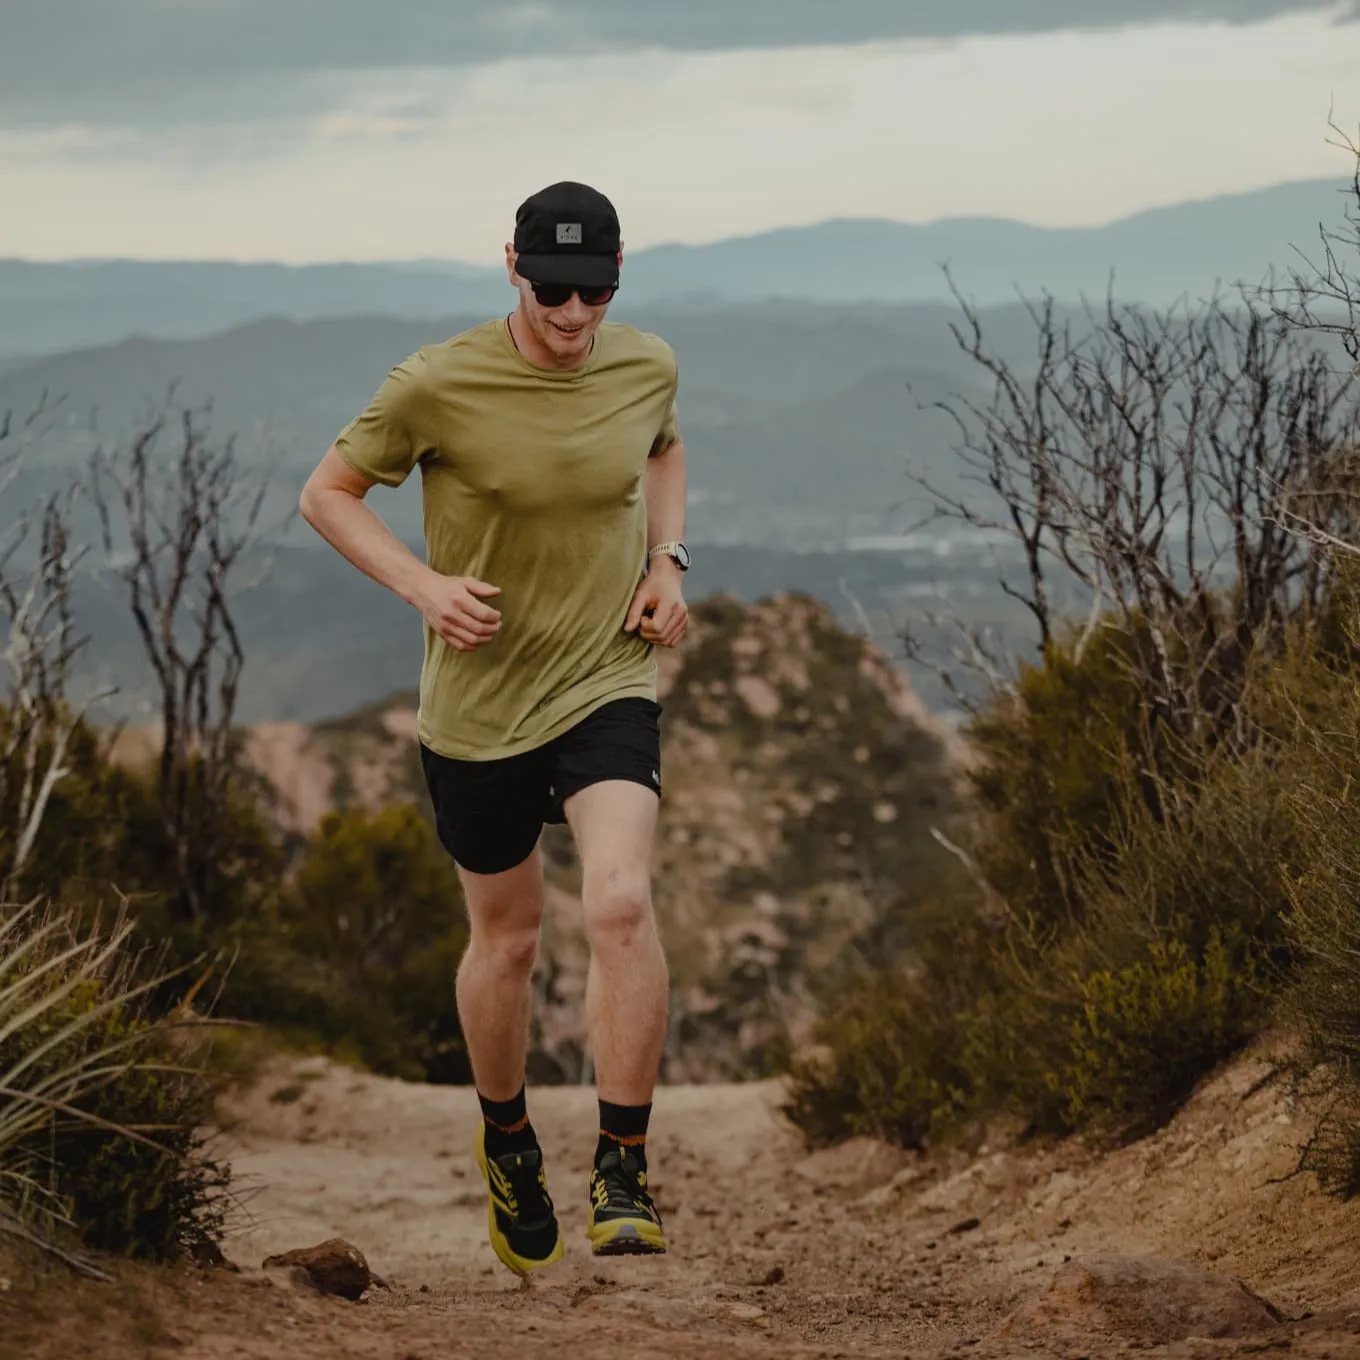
568 233
656 778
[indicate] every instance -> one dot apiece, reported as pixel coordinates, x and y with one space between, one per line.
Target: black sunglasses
559 294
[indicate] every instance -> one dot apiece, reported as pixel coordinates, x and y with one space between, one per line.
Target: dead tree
1323 293
1322 299
178 512
38 719
1144 458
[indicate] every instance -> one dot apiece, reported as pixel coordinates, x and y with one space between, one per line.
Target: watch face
682 556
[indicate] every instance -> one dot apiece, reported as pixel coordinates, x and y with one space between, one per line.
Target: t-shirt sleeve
670 425
392 434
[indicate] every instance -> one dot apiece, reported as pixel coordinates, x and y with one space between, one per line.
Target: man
553 484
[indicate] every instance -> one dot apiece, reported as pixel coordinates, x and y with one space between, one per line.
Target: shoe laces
624 1182
528 1186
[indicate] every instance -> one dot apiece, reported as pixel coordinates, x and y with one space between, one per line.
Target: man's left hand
658 613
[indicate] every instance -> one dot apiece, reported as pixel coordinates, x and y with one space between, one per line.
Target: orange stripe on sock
518 1126
633 1140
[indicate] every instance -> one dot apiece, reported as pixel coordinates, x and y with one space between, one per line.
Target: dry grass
87 1074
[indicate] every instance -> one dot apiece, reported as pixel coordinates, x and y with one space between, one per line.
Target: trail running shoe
520 1218
623 1219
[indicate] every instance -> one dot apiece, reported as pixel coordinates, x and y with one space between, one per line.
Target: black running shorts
490 813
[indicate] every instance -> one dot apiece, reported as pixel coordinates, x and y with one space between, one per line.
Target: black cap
568 233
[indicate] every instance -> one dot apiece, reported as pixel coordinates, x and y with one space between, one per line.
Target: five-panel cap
568 233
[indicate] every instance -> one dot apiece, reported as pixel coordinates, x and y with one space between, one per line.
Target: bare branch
1143 462
40 646
178 513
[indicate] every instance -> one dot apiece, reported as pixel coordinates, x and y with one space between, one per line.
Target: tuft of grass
100 1105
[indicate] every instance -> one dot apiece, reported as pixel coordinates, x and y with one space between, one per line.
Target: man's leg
493 989
489 818
614 823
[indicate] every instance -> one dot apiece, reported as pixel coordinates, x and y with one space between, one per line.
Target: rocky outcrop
1146 1301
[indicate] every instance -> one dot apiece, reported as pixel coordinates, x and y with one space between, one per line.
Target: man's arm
664 489
658 612
332 502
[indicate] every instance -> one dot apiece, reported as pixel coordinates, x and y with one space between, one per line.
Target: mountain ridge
1156 255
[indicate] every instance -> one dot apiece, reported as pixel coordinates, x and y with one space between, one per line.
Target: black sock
623 1127
507 1125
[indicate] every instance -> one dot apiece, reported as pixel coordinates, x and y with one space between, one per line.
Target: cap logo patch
568 233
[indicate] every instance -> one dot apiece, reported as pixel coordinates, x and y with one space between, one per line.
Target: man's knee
510 950
618 908
505 913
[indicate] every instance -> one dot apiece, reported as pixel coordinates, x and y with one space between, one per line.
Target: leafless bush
37 721
178 512
1323 293
1145 462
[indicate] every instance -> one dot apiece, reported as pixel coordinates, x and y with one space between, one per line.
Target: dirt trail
857 1251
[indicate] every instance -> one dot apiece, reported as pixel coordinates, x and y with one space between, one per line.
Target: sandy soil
856 1251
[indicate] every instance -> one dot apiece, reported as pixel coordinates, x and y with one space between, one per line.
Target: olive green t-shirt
532 480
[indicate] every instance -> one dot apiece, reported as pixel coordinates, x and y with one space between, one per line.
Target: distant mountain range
802 420
1156 256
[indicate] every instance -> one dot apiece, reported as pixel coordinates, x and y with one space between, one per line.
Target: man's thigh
607 780
489 814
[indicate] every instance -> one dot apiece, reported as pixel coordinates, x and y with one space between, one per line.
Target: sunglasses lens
553 294
559 294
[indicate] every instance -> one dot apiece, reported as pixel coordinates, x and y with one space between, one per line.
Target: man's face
568 331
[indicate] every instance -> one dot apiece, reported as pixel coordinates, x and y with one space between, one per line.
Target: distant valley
803 422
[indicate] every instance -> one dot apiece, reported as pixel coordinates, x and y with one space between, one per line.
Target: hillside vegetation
1163 838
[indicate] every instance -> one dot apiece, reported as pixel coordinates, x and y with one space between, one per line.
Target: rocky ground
1193 1243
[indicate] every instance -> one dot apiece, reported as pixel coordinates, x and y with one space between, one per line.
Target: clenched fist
452 606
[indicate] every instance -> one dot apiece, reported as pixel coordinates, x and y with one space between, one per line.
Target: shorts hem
489 868
557 812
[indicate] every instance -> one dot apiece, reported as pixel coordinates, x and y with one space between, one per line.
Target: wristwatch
675 550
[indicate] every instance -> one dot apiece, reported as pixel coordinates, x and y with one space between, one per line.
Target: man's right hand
452 606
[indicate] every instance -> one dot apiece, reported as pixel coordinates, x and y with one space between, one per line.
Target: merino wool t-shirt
532 480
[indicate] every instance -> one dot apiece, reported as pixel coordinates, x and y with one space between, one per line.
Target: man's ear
511 259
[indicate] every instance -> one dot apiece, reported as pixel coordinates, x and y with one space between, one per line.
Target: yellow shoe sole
500 1244
627 1237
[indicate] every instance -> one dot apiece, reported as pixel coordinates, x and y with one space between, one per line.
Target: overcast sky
347 129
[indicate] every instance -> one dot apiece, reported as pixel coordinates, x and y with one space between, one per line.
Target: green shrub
103 1110
1055 760
890 1066
1143 1035
98 828
1101 1013
361 952
154 1199
1323 918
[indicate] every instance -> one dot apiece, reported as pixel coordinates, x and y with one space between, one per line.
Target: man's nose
574 311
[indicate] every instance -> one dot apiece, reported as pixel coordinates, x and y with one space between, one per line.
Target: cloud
152 66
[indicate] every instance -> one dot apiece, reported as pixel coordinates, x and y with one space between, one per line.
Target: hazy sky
343 129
